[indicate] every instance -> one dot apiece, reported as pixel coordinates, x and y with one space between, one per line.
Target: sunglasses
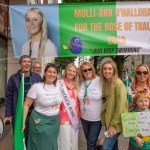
86 70
37 67
51 65
140 72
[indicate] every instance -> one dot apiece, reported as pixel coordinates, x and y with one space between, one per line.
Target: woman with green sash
44 121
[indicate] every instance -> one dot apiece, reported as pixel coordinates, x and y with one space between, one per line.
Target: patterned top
64 117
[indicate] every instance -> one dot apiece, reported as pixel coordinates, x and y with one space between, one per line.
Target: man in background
36 67
13 86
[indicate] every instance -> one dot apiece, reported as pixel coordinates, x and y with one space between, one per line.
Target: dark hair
50 65
22 57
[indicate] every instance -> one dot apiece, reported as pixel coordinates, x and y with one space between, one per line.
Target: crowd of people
54 108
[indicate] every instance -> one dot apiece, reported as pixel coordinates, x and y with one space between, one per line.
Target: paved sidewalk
123 142
7 142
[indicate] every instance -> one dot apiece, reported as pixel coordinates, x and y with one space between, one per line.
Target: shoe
99 147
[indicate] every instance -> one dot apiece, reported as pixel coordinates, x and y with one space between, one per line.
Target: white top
94 99
47 98
50 49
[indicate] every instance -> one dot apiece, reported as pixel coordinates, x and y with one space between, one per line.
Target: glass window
3 75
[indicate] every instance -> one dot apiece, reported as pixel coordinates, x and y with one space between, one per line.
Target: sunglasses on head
51 65
86 70
142 72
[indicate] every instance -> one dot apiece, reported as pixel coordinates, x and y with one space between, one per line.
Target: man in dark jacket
13 84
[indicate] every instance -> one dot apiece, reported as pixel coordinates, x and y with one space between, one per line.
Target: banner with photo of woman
81 29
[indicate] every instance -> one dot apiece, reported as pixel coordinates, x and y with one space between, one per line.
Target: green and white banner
82 29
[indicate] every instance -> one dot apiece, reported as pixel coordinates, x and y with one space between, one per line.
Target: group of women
97 101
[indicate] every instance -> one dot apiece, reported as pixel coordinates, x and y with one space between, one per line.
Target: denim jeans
91 131
111 143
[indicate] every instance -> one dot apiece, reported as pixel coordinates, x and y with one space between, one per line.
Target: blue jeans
111 143
91 131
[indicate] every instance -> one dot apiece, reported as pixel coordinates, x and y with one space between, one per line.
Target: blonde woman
114 103
69 110
90 97
141 82
38 45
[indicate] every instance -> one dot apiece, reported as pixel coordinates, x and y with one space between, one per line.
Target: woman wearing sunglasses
141 82
90 97
44 122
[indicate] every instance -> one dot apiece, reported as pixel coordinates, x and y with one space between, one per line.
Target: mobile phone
106 134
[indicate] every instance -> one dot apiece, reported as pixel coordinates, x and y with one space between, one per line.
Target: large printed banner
93 29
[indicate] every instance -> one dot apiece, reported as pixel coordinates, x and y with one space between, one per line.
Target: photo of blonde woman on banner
35 31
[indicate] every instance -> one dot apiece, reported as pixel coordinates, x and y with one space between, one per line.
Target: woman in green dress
44 121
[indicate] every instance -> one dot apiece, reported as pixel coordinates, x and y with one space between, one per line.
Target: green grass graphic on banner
88 29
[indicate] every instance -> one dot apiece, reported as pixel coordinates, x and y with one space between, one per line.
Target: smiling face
142 74
87 72
25 65
34 23
50 75
71 72
108 71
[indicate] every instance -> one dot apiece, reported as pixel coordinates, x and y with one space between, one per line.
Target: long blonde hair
135 81
81 76
76 78
108 86
44 30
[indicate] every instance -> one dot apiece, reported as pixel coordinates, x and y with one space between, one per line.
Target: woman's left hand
112 131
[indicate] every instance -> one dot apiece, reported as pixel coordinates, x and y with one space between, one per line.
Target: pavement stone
7 142
122 142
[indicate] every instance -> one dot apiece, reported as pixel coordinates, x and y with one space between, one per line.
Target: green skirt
43 132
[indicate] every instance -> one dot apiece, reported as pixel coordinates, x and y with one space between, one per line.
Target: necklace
85 93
